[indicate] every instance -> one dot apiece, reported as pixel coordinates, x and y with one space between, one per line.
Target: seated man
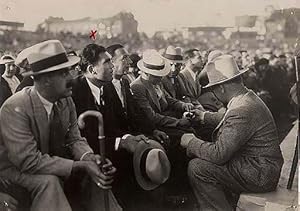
245 155
170 82
123 123
40 143
13 197
161 109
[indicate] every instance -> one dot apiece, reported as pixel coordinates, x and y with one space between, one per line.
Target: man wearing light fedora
245 155
40 143
160 108
170 82
189 80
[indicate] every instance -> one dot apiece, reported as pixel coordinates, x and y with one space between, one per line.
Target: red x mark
93 34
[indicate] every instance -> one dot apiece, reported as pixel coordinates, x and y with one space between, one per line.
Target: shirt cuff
118 140
84 154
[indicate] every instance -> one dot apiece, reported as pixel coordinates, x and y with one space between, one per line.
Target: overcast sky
151 14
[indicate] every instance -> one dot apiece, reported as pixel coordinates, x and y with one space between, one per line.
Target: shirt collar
47 104
192 73
96 91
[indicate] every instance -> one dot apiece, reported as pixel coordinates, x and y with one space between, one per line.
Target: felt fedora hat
222 69
153 63
151 165
173 54
5 59
48 56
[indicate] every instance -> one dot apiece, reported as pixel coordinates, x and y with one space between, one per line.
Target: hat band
173 57
143 164
154 67
49 62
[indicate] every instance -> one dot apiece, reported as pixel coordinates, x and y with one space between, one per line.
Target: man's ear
90 68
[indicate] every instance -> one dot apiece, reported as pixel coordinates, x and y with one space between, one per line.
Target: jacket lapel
152 93
190 81
41 121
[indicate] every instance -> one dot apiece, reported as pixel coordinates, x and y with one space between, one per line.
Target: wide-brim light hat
48 56
153 64
173 55
222 69
151 165
5 59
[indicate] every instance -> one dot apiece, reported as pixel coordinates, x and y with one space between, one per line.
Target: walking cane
101 139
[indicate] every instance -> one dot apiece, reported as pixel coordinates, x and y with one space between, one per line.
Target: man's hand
184 122
188 106
161 136
186 138
131 142
198 115
103 178
7 202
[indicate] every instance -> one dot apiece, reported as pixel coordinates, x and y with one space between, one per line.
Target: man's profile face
196 60
121 62
103 69
61 82
154 79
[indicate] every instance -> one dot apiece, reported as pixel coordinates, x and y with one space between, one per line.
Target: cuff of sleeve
118 140
193 147
117 143
84 154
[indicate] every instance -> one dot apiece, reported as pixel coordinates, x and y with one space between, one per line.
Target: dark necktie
56 139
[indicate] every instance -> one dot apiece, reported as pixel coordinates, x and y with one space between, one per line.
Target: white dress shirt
47 104
96 91
117 85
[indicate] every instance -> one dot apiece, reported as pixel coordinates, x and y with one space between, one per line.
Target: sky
152 15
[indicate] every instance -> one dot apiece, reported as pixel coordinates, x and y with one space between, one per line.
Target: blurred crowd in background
272 66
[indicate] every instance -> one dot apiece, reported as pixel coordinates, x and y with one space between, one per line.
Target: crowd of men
173 118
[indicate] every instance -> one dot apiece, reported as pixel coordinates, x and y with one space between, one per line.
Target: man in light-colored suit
245 155
40 143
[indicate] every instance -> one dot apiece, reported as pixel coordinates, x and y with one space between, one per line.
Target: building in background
122 23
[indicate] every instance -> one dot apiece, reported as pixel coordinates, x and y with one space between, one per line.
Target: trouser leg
209 183
46 192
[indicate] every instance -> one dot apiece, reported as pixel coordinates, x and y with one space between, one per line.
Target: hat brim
6 61
140 149
173 61
72 60
225 80
163 72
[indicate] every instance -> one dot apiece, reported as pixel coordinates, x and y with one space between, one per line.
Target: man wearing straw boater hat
170 82
40 144
244 155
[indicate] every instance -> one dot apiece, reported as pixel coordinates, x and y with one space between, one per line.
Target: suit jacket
25 140
118 121
172 89
190 89
156 109
246 140
5 91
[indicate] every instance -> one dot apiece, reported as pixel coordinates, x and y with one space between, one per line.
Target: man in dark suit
4 87
170 82
40 143
245 155
121 117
